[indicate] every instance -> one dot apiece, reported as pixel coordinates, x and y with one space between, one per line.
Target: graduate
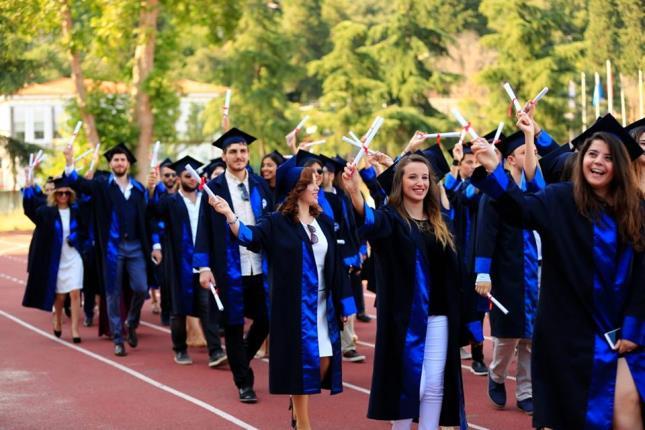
269 167
307 290
32 198
637 131
417 369
236 271
55 261
179 214
122 237
589 332
212 170
507 258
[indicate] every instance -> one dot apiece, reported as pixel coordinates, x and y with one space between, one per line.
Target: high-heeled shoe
76 339
58 333
294 422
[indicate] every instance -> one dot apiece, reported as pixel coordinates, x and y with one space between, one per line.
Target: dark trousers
208 314
240 351
357 291
90 276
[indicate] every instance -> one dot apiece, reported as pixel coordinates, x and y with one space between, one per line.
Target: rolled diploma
227 101
196 176
497 303
447 134
376 125
356 144
155 153
541 94
220 305
96 151
83 155
511 95
462 121
498 133
462 136
75 133
314 143
302 122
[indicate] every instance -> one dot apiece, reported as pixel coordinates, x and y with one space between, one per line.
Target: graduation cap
286 178
467 148
338 164
306 157
120 149
511 143
552 164
60 182
234 135
437 160
166 163
491 134
212 165
276 157
609 124
180 165
636 128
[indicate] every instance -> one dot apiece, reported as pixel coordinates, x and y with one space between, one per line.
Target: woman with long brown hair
637 131
308 294
56 266
590 328
417 370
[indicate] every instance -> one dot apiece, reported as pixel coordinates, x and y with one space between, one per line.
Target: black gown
404 277
591 284
294 367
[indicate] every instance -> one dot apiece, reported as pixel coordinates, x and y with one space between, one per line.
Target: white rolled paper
96 151
155 155
497 303
446 134
227 101
541 94
356 144
219 303
197 177
462 121
498 133
511 95
83 155
77 129
314 143
31 159
302 123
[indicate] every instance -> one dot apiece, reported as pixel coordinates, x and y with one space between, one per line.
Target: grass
15 221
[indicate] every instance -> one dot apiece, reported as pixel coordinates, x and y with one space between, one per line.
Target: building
36 113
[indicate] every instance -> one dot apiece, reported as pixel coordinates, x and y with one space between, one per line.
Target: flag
598 94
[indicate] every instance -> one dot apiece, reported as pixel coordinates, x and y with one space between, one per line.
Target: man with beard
238 271
122 238
179 213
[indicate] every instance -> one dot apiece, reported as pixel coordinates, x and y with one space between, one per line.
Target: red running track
51 383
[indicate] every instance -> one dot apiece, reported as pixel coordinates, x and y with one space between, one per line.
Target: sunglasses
63 193
169 175
312 233
319 171
244 193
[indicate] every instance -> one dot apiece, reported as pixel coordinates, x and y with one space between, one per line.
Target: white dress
70 268
320 251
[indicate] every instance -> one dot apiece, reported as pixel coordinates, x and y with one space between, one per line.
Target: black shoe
76 339
353 356
479 368
216 358
247 395
496 393
133 341
119 350
58 333
182 357
88 322
526 405
363 317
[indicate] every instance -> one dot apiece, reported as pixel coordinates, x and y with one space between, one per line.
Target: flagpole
623 115
640 94
583 101
597 97
610 90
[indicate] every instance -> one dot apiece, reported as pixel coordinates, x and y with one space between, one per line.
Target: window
19 124
39 125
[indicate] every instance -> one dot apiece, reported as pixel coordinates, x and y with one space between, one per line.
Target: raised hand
69 155
221 206
153 178
485 154
525 123
415 142
351 181
458 151
292 141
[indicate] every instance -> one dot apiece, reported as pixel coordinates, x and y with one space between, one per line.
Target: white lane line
369 345
12 279
134 373
18 245
12 258
357 388
155 326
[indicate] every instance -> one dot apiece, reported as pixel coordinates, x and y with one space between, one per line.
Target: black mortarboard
276 157
61 182
437 160
491 134
234 135
120 149
467 149
166 163
180 165
636 128
609 124
302 157
511 143
339 163
286 178
552 164
214 164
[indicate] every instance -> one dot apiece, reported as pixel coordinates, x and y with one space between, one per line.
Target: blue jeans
130 259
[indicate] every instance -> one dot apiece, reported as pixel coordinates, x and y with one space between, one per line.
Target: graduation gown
178 249
44 257
510 256
32 198
346 229
404 278
590 285
217 248
293 284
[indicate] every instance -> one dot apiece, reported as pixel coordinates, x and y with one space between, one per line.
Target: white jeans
431 386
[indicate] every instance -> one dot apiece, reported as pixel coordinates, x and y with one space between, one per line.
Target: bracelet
234 221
